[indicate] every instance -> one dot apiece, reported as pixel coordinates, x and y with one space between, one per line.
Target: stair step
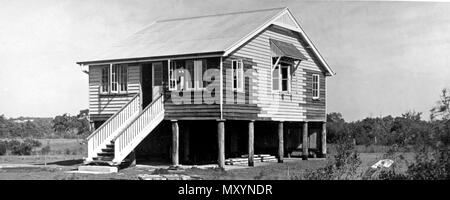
106 154
108 150
110 146
103 158
98 169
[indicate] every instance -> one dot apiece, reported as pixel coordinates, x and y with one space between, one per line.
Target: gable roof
221 34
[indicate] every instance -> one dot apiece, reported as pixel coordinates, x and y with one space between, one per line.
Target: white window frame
115 78
173 78
123 68
185 82
280 78
198 75
318 86
289 81
108 68
188 80
239 65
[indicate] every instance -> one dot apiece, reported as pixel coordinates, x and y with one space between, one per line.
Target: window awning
283 49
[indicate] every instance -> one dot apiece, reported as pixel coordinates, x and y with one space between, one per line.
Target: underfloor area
198 141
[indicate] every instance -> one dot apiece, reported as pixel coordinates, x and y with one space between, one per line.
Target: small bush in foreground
343 167
433 165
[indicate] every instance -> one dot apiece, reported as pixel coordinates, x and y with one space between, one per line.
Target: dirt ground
57 168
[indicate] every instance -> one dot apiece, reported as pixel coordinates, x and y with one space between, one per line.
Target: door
157 73
151 82
147 84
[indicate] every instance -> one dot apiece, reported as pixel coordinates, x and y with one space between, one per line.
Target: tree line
61 126
407 129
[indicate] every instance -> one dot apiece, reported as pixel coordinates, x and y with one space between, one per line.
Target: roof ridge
220 14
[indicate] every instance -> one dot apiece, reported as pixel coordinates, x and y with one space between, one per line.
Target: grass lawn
59 165
67 155
61 146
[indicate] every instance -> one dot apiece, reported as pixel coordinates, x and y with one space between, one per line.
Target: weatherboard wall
293 106
102 106
195 107
240 105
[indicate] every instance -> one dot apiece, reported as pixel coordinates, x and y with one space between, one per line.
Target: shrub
33 143
12 143
344 165
3 148
433 165
67 151
46 150
22 149
432 157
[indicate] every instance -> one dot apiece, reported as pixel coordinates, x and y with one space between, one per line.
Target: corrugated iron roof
194 35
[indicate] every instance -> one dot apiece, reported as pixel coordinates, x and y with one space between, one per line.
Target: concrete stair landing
98 169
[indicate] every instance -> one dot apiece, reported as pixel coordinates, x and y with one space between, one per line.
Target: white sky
390 57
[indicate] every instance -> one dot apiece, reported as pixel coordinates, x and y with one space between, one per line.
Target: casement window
123 79
187 74
172 77
105 80
315 86
199 69
285 74
237 75
119 76
194 74
281 78
114 79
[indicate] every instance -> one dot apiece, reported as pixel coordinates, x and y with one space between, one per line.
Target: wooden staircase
112 142
107 154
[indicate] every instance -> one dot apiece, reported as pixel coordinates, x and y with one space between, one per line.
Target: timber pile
243 160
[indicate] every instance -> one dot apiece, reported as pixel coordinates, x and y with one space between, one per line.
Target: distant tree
66 125
442 109
412 115
335 127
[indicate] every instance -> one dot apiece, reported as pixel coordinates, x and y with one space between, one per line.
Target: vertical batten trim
110 78
221 88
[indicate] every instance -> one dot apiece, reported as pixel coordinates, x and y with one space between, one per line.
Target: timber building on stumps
206 88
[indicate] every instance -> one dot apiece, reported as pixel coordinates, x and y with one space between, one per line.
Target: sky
390 57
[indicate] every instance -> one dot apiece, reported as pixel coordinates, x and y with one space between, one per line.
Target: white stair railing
108 130
136 131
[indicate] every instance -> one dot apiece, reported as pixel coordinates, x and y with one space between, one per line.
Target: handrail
112 117
136 131
143 111
100 137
